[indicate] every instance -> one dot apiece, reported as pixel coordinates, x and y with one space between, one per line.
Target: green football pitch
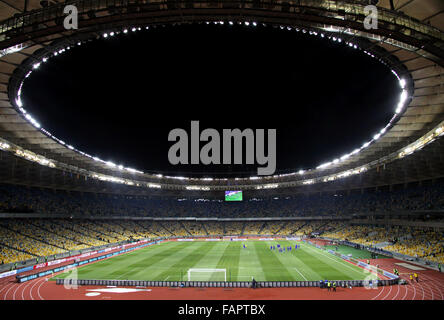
170 261
356 253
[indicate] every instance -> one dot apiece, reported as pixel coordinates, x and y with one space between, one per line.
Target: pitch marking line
337 261
300 274
124 274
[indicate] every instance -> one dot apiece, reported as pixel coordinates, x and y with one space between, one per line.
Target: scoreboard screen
233 195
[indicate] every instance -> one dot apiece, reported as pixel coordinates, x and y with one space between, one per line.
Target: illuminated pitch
224 261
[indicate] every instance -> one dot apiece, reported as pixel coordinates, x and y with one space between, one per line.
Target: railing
80 215
350 11
221 284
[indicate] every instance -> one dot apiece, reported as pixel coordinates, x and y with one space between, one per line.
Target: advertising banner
7 274
40 265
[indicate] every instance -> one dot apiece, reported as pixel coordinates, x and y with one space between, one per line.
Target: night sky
118 98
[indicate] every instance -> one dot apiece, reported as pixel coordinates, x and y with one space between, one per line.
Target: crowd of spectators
22 239
425 243
21 199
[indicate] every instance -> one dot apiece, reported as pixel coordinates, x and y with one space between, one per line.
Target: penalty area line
300 274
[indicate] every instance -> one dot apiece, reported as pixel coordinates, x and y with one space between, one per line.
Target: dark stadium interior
140 86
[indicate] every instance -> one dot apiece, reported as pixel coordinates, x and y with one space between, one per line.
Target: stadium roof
409 40
427 11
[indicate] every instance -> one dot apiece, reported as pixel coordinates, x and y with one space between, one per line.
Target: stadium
364 225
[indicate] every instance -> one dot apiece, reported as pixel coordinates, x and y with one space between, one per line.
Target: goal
202 274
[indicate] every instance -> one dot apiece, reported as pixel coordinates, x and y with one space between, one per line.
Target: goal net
202 274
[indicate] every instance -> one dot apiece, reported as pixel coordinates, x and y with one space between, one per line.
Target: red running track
429 287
